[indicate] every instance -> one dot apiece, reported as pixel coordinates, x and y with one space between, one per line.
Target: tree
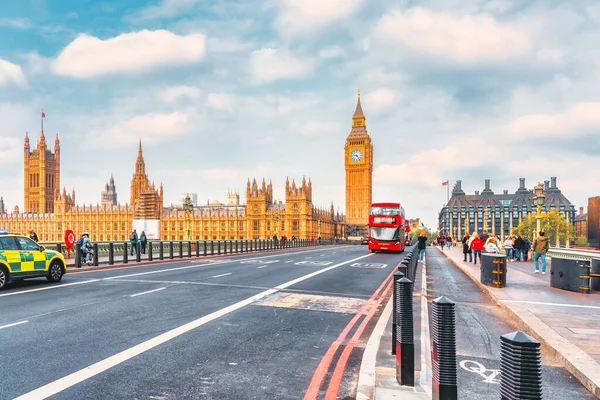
556 227
431 236
581 241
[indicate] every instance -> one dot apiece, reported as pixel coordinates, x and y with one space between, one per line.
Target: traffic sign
69 241
69 238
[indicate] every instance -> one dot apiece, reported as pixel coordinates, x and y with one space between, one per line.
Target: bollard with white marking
520 367
405 334
443 349
397 276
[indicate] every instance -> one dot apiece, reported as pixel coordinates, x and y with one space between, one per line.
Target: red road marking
340 368
319 376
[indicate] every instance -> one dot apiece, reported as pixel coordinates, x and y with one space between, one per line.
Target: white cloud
11 73
220 101
175 93
10 150
308 16
554 56
151 128
16 23
332 52
166 9
466 39
88 56
269 64
380 99
580 119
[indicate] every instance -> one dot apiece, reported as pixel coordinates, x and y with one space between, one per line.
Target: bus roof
386 205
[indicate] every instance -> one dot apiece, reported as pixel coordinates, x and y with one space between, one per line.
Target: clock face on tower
356 155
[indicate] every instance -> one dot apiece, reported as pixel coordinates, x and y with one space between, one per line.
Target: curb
583 367
104 266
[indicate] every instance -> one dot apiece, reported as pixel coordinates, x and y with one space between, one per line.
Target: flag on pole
445 183
43 114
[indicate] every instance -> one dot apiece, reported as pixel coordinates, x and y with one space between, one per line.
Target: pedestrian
518 245
422 245
133 238
33 236
143 242
466 248
540 248
477 247
509 249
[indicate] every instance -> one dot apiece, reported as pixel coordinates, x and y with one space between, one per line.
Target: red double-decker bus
387 227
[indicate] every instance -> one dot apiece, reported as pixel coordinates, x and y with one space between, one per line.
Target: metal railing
573 254
122 252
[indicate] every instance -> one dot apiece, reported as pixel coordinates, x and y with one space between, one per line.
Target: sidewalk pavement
566 323
377 378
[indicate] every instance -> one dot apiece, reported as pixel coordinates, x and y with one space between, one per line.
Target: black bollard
403 267
189 249
443 349
95 255
125 254
150 251
197 248
397 276
180 249
212 248
161 250
405 334
225 247
219 247
520 367
205 249
138 252
171 250
77 257
111 253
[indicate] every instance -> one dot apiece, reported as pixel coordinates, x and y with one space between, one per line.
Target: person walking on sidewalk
422 245
466 247
540 248
477 247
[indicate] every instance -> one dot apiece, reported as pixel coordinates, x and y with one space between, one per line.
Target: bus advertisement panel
387 227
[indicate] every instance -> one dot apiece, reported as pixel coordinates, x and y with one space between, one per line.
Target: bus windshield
385 234
378 211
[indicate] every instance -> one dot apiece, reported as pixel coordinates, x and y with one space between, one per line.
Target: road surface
242 327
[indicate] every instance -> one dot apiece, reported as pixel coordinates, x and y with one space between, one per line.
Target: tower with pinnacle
147 200
41 174
109 194
358 156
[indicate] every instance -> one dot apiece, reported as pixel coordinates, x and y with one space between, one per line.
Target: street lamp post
188 207
539 199
485 220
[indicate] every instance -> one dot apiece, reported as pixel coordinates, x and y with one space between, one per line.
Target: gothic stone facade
497 213
49 211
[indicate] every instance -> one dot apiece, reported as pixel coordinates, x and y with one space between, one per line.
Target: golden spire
358 119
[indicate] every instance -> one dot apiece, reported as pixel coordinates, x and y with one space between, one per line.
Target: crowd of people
516 247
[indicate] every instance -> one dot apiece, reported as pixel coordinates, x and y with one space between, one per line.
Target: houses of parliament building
50 211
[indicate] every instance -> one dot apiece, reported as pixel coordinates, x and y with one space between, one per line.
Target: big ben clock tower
358 155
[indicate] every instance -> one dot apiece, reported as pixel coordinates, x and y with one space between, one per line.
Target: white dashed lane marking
148 292
13 324
218 276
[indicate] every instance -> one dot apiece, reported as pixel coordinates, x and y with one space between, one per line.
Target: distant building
593 221
109 194
415 224
2 207
498 213
581 224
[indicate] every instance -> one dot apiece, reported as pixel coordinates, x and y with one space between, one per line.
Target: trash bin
493 269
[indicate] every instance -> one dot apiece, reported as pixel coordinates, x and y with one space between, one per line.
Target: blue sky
226 90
